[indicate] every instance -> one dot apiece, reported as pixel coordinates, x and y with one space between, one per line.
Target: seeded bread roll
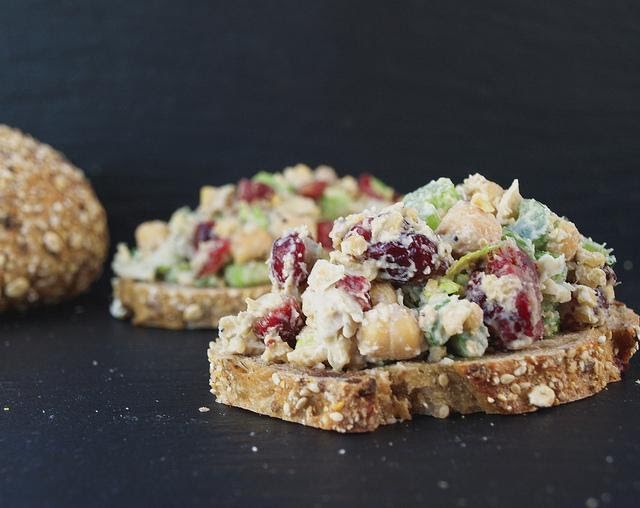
53 230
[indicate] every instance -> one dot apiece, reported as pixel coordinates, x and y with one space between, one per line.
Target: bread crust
175 307
53 229
555 371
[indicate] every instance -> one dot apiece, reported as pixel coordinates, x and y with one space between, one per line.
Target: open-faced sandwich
204 263
458 299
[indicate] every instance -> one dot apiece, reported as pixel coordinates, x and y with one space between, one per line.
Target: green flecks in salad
592 246
433 200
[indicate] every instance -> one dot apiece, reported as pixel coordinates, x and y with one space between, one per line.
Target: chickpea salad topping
450 271
226 240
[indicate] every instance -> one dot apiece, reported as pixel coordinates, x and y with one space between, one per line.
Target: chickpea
467 228
390 331
382 292
249 245
150 235
564 239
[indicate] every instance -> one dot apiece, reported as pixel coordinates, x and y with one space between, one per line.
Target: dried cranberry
522 319
292 257
249 191
219 253
286 321
203 233
362 228
313 190
358 287
324 228
412 258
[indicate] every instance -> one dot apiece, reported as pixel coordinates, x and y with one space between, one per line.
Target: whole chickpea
382 292
390 331
564 238
467 228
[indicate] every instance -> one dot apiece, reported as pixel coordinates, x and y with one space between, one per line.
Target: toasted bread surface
555 371
164 305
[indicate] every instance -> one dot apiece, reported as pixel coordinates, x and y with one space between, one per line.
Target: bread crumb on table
204 409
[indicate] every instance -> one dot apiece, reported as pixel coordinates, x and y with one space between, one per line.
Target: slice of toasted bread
569 367
164 305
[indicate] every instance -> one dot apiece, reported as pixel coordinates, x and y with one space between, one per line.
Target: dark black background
153 99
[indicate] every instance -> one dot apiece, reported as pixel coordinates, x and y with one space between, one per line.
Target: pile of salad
451 271
226 240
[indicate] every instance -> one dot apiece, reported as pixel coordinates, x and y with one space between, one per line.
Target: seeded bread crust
163 305
53 229
555 371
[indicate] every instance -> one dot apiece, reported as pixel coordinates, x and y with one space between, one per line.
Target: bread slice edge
175 307
554 371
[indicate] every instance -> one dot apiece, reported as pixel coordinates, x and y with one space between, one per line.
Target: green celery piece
274 181
534 222
335 203
254 215
433 200
523 243
551 318
468 259
382 189
250 274
470 345
592 246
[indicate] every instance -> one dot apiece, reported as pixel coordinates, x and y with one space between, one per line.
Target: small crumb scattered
6 408
94 363
491 423
443 484
204 409
609 459
252 433
390 443
638 381
627 265
592 502
342 451
485 438
254 449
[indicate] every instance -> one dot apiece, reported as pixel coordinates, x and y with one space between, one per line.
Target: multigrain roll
53 229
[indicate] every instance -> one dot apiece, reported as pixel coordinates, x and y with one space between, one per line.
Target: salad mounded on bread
224 242
453 273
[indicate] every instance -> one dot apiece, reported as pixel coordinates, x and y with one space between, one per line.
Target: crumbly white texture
501 290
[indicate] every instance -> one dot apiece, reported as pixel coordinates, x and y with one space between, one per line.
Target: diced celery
523 243
254 215
551 318
470 345
433 200
254 273
335 202
381 189
273 180
534 222
591 246
468 260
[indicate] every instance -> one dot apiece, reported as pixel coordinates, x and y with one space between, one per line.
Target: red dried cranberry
362 228
358 287
285 321
203 233
249 191
412 258
313 190
218 254
292 256
522 320
324 228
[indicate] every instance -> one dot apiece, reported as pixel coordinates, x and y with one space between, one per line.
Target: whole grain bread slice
555 371
164 305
